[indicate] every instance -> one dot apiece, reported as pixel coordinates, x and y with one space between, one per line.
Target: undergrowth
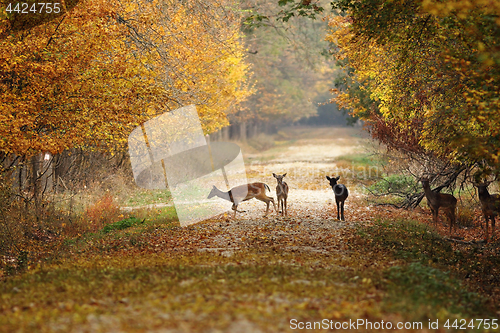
122 224
455 277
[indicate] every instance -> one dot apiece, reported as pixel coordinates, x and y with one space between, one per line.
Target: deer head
213 192
279 178
333 181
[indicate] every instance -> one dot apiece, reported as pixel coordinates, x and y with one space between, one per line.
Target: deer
281 193
490 205
341 194
243 193
437 200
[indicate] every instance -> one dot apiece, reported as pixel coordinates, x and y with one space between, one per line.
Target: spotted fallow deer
243 193
281 193
490 205
341 194
437 200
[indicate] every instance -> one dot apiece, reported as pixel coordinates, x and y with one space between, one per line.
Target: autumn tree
424 75
85 78
92 74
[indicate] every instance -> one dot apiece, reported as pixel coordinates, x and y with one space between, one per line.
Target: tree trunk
35 182
225 134
243 131
46 173
255 129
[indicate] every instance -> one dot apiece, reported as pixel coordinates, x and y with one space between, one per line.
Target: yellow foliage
440 68
90 76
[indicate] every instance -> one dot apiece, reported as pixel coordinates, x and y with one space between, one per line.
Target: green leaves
121 225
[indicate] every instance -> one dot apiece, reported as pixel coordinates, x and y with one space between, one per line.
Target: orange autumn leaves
88 77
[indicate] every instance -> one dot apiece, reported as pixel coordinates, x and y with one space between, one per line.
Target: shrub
103 212
123 224
396 183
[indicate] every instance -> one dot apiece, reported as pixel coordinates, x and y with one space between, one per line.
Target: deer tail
267 187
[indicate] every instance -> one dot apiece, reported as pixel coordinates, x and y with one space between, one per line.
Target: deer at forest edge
341 195
281 192
437 200
243 193
490 204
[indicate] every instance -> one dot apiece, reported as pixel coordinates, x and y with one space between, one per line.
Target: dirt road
306 162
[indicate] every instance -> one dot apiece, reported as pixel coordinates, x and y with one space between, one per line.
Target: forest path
307 161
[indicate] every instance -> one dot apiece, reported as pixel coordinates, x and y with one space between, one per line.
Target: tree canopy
425 75
88 76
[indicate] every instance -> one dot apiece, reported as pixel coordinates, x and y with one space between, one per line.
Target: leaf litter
253 273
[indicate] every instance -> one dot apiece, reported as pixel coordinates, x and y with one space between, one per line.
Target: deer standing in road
437 200
243 193
281 193
341 194
490 204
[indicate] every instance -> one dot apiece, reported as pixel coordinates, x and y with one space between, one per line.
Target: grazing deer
490 204
243 193
341 195
281 193
437 200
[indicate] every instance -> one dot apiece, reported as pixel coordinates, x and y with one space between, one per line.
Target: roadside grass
159 215
453 279
363 160
141 197
122 224
122 280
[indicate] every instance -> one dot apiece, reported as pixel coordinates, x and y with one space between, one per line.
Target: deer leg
272 200
486 231
267 200
492 226
434 216
338 209
267 208
286 211
235 208
447 213
342 207
450 217
453 219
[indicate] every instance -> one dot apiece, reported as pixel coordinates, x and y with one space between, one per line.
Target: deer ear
328 178
284 175
274 175
338 178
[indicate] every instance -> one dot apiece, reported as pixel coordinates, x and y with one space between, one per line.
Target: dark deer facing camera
437 200
341 195
243 193
281 193
490 204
